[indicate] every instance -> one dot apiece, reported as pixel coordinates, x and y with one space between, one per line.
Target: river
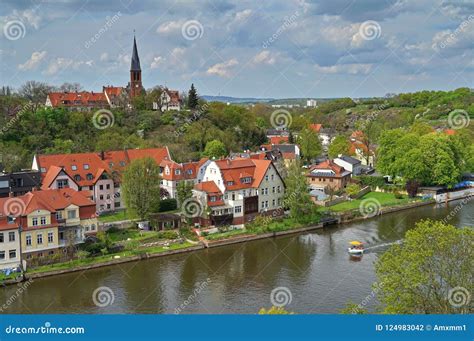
314 268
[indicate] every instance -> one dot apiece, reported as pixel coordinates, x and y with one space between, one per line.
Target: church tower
135 73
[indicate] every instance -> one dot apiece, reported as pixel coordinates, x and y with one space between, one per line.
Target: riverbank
245 236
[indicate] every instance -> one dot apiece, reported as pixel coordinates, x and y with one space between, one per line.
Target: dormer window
122 163
213 198
190 171
111 164
74 167
177 172
43 170
246 180
86 166
77 177
89 176
230 183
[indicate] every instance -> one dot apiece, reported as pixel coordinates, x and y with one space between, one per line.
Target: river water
313 268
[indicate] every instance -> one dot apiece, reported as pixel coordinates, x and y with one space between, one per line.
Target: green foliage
352 189
417 277
184 190
372 181
353 308
215 149
141 187
431 159
193 98
310 144
167 235
340 145
297 197
274 311
168 205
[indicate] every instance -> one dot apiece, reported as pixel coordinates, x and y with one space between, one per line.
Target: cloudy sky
288 48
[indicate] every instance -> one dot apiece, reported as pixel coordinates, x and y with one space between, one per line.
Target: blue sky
243 48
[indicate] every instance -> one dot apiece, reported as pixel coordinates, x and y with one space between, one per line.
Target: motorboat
356 248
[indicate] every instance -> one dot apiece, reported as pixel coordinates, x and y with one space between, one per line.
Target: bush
352 189
94 248
372 181
168 205
398 195
167 235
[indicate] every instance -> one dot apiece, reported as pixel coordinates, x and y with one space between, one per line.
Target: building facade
328 174
234 192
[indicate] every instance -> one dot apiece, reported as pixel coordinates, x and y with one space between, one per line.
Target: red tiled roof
278 139
450 132
316 127
237 169
50 200
95 164
187 170
328 165
112 91
209 187
79 99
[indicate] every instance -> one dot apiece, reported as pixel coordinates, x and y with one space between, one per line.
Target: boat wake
380 246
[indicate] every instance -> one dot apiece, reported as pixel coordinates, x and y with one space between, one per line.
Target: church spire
135 65
135 72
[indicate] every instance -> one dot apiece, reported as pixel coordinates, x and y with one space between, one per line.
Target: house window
12 254
64 183
1 237
2 254
50 237
108 206
77 177
101 187
51 252
230 183
39 238
273 176
278 189
213 198
40 255
71 214
28 240
93 227
273 202
89 176
273 189
111 164
85 166
122 163
177 172
101 197
59 215
233 196
34 221
11 236
108 196
43 220
74 167
190 171
238 209
43 170
107 186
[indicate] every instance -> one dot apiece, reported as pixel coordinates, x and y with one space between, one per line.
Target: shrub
168 205
398 195
167 235
352 189
372 181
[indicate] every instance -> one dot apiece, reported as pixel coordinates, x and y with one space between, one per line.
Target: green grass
224 235
102 259
385 199
116 216
133 234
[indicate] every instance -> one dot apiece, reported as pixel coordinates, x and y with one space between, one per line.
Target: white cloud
352 69
156 62
60 64
36 58
243 15
223 69
264 57
170 27
104 57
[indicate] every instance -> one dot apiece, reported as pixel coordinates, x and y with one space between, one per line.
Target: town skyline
351 52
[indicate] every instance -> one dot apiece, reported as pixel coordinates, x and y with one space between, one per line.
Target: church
113 96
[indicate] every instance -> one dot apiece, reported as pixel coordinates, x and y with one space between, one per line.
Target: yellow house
40 237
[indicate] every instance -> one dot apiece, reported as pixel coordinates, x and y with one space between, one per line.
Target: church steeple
135 72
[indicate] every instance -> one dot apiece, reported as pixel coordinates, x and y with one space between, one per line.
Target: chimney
102 155
10 194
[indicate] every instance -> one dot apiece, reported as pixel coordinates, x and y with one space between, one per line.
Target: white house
349 163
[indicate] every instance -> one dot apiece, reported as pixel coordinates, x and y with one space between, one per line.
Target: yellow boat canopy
355 243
